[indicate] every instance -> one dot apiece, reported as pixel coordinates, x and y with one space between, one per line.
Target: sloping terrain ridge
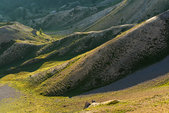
129 12
25 49
18 43
142 45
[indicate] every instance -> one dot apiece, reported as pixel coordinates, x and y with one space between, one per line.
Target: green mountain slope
66 17
57 75
18 43
54 15
142 45
146 97
131 11
23 48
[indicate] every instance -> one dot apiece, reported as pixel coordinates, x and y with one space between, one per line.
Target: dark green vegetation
5 23
67 16
36 13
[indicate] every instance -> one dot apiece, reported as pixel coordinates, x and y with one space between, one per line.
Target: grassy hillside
147 97
18 43
66 17
68 67
40 67
51 16
151 96
75 19
25 49
131 11
123 55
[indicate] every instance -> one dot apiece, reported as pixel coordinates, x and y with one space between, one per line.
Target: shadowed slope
19 43
81 42
69 47
142 45
16 31
158 69
131 11
27 49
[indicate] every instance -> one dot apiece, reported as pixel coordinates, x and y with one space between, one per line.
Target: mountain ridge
87 67
77 46
130 11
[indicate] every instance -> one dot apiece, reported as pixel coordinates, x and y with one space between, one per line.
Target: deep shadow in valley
156 70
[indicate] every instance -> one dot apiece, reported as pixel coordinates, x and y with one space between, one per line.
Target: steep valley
84 56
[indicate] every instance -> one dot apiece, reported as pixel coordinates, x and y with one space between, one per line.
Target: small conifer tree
41 31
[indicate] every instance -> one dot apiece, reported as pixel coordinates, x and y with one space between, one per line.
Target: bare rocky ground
8 92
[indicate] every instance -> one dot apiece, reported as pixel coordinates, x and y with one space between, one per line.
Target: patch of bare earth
8 92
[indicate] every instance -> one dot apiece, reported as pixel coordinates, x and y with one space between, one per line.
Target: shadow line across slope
143 75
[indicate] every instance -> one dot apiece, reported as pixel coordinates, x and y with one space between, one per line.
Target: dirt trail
8 92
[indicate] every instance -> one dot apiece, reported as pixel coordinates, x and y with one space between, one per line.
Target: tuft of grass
112 102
